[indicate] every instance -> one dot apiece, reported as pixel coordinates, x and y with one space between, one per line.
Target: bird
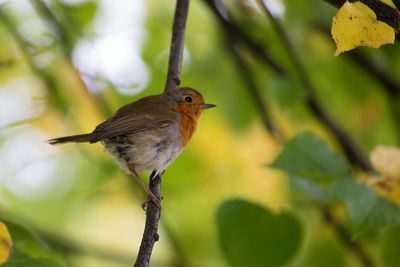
148 134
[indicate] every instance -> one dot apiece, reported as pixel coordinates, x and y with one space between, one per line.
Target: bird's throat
188 122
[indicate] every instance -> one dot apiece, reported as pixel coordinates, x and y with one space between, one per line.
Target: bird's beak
206 106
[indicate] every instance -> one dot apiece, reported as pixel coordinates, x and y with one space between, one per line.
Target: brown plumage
148 134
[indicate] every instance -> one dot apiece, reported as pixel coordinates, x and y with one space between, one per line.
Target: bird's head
188 101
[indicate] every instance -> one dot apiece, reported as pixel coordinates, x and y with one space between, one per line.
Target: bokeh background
65 66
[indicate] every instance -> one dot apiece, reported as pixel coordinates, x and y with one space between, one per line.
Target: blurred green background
65 66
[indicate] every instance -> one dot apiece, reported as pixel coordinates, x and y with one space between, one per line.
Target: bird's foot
151 197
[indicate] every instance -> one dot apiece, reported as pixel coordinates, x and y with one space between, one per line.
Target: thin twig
396 3
346 238
353 154
390 84
24 48
342 231
234 30
350 149
54 24
66 44
255 92
150 235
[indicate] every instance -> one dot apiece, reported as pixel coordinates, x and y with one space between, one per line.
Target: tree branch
392 86
177 44
346 237
150 235
54 24
255 92
341 230
350 149
389 84
234 30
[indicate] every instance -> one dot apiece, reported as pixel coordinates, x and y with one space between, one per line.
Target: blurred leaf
5 243
287 92
322 250
355 24
311 189
366 210
28 245
33 263
389 2
390 247
359 199
383 213
308 156
253 236
80 14
26 242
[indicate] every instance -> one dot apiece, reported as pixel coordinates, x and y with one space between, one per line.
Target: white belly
152 150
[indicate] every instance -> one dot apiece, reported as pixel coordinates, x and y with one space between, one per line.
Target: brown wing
147 113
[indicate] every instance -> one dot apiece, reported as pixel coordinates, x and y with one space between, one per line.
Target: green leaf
33 263
359 199
383 213
366 209
310 189
80 14
321 250
308 156
28 245
253 236
390 247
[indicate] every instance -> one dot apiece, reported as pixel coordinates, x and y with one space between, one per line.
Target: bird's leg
153 174
150 195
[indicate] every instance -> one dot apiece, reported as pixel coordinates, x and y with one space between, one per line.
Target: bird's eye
188 99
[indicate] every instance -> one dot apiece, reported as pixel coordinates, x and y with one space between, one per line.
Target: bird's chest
149 150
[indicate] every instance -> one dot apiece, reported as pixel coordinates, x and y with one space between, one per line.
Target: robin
148 134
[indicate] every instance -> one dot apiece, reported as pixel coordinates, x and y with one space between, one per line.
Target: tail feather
80 138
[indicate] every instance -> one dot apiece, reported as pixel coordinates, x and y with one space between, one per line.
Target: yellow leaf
5 243
389 3
355 25
386 160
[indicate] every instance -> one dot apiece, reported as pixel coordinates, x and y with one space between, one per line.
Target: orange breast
188 122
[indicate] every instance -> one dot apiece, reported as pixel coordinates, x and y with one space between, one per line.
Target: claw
154 199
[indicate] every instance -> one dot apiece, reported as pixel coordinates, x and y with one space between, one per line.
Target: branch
177 44
54 24
24 47
255 92
392 86
346 237
384 12
350 149
353 155
234 30
396 3
150 235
